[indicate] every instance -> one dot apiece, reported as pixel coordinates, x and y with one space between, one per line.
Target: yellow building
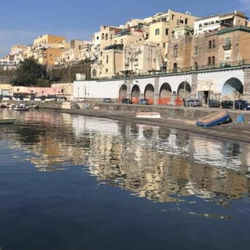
50 56
5 89
161 29
47 40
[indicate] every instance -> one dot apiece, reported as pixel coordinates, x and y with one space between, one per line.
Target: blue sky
23 20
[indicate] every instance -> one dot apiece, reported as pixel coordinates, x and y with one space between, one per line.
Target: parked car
6 98
143 102
61 99
107 100
214 104
193 103
241 104
126 101
247 106
226 104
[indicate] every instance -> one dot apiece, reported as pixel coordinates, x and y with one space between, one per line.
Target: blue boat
214 119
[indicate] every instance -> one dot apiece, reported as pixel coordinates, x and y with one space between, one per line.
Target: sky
24 20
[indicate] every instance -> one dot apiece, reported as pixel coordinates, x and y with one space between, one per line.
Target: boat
148 115
21 107
214 119
7 121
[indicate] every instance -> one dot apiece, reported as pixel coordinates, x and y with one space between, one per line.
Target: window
176 51
186 20
175 67
107 59
157 32
166 32
172 17
213 60
106 71
196 66
94 73
164 45
213 43
200 25
106 37
228 41
102 36
196 50
210 44
209 61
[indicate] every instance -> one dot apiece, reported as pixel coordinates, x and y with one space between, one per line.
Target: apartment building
49 40
219 22
142 58
162 25
180 49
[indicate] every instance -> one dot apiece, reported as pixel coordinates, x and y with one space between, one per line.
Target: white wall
97 89
219 78
142 83
110 89
175 81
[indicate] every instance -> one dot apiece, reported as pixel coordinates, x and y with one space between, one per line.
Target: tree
30 73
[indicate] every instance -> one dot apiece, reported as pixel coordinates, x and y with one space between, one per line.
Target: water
75 182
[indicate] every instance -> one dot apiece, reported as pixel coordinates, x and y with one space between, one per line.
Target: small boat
7 121
148 115
214 119
21 107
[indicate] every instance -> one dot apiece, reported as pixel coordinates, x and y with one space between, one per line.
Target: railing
221 66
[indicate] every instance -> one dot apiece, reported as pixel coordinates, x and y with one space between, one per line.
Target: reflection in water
159 164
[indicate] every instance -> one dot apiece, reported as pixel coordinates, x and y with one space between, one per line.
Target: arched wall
220 77
174 81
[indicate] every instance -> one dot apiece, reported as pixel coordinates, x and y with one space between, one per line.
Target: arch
149 93
135 94
184 90
232 89
123 92
165 94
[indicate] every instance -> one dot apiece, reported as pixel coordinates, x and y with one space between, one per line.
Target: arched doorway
165 94
135 94
232 89
123 92
149 93
184 90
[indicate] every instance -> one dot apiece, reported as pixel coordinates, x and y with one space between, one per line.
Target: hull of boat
214 119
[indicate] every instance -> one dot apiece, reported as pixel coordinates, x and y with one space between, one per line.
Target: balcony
227 46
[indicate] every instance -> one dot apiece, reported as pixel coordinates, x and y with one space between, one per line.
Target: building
48 40
180 49
219 22
142 59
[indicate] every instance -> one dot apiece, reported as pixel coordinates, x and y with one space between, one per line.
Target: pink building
38 91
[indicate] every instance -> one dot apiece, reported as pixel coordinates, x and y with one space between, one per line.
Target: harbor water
76 182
